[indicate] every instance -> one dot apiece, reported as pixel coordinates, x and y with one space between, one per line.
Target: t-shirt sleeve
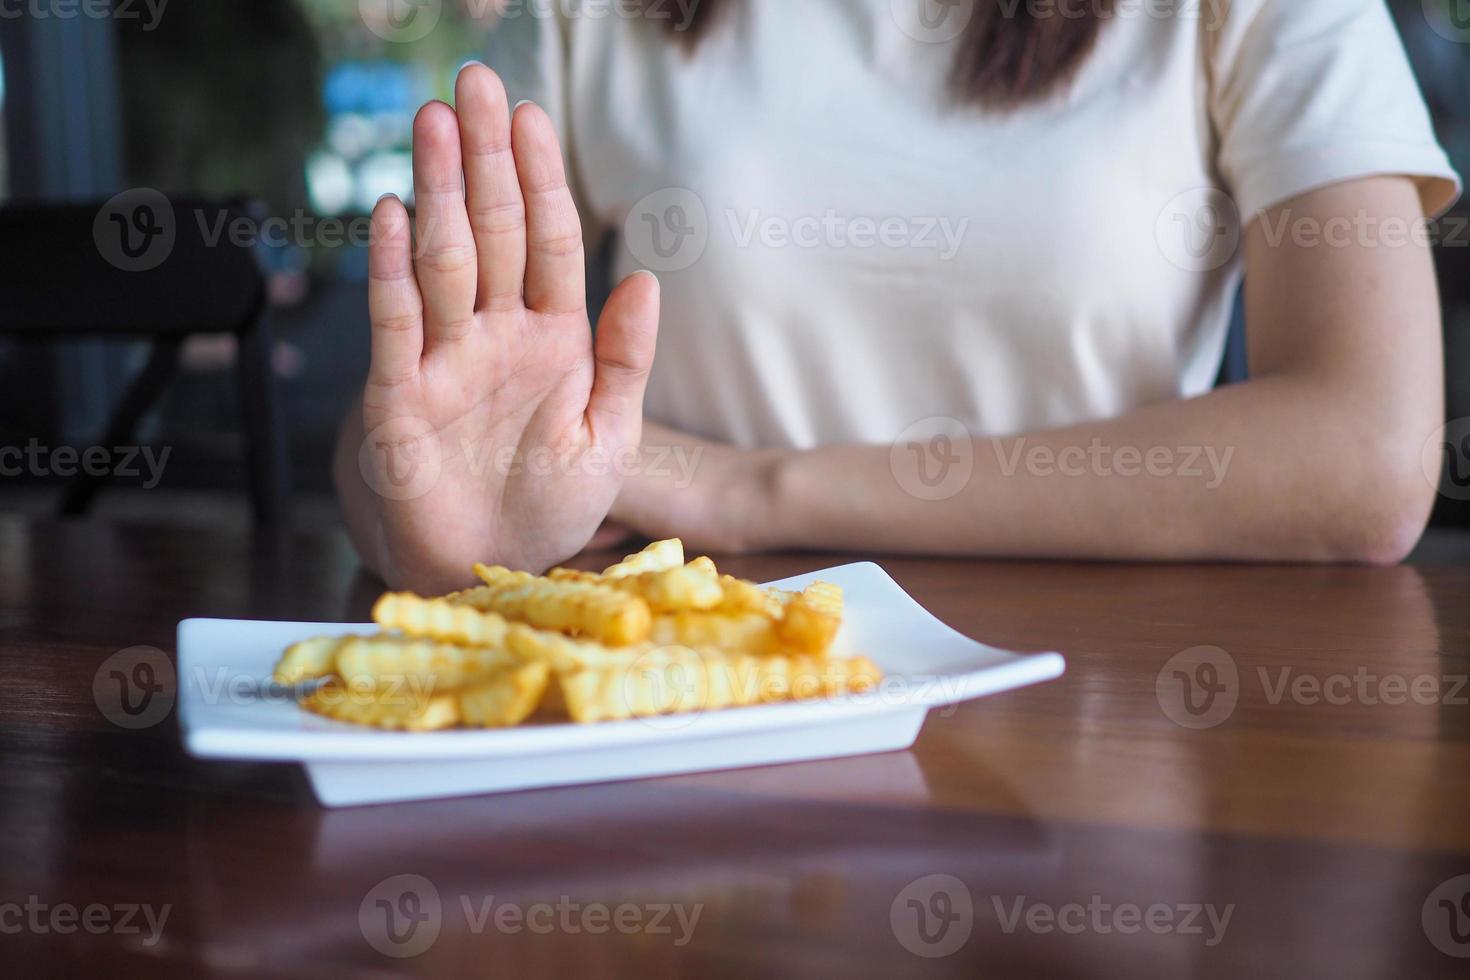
529 49
1307 93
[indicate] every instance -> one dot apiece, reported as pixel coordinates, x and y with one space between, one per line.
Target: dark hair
1010 53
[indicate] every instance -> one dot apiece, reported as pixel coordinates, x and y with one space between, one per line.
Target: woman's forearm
1266 470
1318 458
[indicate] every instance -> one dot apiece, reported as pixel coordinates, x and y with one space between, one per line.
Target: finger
395 308
555 272
492 189
627 334
445 250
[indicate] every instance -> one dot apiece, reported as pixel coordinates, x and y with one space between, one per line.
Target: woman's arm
1316 458
483 357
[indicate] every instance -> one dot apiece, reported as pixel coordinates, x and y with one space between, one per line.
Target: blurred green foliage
224 97
462 25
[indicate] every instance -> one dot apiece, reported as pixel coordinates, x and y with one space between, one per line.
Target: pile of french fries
652 635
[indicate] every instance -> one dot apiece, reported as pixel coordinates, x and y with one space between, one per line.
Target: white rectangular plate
229 710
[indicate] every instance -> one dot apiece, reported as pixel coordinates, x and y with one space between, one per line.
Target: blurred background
304 107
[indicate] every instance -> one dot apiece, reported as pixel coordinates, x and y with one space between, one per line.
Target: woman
938 278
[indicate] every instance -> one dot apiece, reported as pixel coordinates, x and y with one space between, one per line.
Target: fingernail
521 103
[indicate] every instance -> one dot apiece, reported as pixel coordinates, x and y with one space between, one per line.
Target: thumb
627 333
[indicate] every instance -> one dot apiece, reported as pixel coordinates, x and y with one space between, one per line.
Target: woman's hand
488 416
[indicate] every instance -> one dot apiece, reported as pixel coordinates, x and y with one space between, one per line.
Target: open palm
493 422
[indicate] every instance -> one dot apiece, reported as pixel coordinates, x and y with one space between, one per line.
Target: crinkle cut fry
583 644
740 595
811 620
507 698
589 609
382 661
501 698
686 587
749 632
825 597
657 557
669 590
308 660
668 681
401 710
440 619
428 619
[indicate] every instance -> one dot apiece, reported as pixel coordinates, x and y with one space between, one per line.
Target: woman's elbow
1383 506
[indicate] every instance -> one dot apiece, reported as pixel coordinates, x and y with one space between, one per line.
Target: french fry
677 588
507 698
685 587
565 654
809 622
307 660
805 678
591 609
393 711
657 557
704 563
651 635
421 665
499 577
658 682
747 632
440 619
825 597
738 595
681 680
669 590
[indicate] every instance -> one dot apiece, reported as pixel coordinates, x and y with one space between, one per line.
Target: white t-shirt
844 251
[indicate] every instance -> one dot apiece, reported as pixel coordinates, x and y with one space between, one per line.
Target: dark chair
1452 262
1235 365
143 267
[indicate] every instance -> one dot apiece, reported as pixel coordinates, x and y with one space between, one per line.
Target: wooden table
1083 832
